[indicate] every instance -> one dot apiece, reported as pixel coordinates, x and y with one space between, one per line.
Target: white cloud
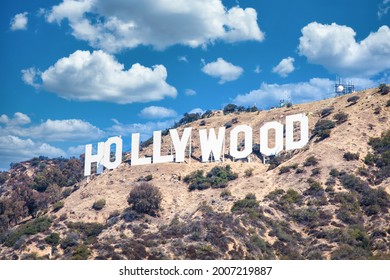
270 94
18 119
190 92
97 76
196 111
315 89
117 24
334 47
19 22
384 8
145 129
257 69
75 151
182 58
156 112
285 67
15 149
30 75
49 130
223 70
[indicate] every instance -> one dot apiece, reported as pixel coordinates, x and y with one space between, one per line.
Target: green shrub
315 188
248 172
340 118
388 103
249 202
274 194
291 197
81 252
86 229
353 99
351 156
218 177
99 204
40 224
287 168
230 108
58 205
326 112
384 89
334 172
322 129
225 194
53 239
311 161
145 199
315 171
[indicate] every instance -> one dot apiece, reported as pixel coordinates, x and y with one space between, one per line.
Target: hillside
329 200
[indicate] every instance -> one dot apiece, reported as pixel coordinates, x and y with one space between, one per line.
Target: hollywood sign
211 144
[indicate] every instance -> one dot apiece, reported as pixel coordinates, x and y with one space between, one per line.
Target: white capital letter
211 143
135 160
304 123
157 157
180 145
264 149
234 141
107 152
89 158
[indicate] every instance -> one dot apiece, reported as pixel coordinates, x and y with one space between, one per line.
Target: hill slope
327 200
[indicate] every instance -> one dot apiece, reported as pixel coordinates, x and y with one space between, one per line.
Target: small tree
384 89
230 108
145 199
99 204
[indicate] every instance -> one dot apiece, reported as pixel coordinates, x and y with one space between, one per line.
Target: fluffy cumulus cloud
49 130
157 112
335 47
145 129
285 67
223 70
97 76
117 24
15 149
315 89
19 22
270 94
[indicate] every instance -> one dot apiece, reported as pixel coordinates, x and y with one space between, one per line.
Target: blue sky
76 72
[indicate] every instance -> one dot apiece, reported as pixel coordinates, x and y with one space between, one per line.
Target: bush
53 239
58 205
334 172
249 202
99 205
287 168
351 156
322 129
381 156
87 229
353 99
145 199
218 177
315 171
315 188
340 118
291 197
326 112
248 172
311 161
384 89
81 252
230 108
40 224
225 194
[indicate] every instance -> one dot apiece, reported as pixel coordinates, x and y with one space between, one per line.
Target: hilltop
329 200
